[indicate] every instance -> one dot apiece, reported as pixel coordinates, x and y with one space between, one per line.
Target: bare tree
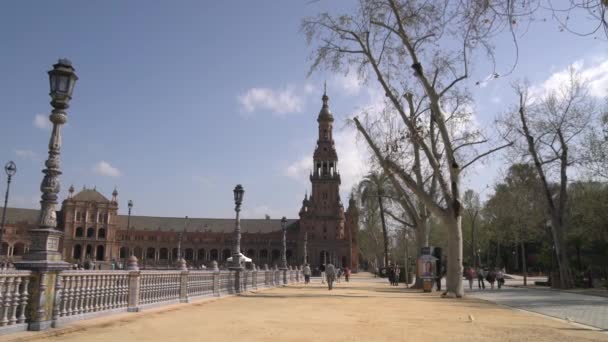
379 41
549 128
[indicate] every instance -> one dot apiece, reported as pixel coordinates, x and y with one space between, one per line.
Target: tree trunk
524 263
516 266
384 232
473 260
498 259
454 286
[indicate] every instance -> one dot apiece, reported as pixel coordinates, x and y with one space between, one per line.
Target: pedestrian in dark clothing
491 278
480 283
391 275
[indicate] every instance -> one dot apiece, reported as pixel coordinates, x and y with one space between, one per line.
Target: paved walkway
585 309
365 309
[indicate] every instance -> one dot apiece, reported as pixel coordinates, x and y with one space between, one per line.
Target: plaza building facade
93 229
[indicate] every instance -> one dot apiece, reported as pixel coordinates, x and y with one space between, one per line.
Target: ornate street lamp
284 254
43 252
236 253
130 205
11 169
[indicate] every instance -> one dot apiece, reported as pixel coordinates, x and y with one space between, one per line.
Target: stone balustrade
14 298
79 294
89 292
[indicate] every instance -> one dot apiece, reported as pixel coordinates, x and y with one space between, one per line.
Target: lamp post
11 169
236 253
284 254
43 257
130 205
43 252
305 248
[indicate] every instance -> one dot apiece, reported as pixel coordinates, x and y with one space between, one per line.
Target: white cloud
349 84
104 168
26 154
281 101
42 121
595 74
300 169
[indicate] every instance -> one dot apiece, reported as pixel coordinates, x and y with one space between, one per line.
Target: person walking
330 273
391 275
480 283
397 273
338 274
491 278
322 269
470 275
500 278
306 274
347 273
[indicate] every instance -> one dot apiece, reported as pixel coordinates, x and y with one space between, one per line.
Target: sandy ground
362 310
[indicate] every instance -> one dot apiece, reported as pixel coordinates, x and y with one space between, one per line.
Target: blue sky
178 102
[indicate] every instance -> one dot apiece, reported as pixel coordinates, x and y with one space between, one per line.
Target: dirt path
362 310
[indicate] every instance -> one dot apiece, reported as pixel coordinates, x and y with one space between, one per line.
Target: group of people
393 275
329 274
492 276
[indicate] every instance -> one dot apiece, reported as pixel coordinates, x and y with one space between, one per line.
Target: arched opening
276 256
100 253
225 254
138 252
324 257
189 254
91 232
344 264
4 248
264 255
101 233
124 252
213 255
79 232
174 254
150 253
88 252
250 253
201 255
288 255
77 252
163 254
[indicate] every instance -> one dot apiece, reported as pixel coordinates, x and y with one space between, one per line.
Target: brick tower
322 214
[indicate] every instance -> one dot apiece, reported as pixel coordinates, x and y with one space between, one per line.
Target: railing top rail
92 272
14 273
143 272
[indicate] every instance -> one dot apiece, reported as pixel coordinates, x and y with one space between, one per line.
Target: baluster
67 289
108 292
24 299
100 295
80 302
76 294
87 293
58 298
16 300
113 291
7 300
94 292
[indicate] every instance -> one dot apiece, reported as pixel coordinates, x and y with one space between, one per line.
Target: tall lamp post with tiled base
43 257
284 251
236 252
